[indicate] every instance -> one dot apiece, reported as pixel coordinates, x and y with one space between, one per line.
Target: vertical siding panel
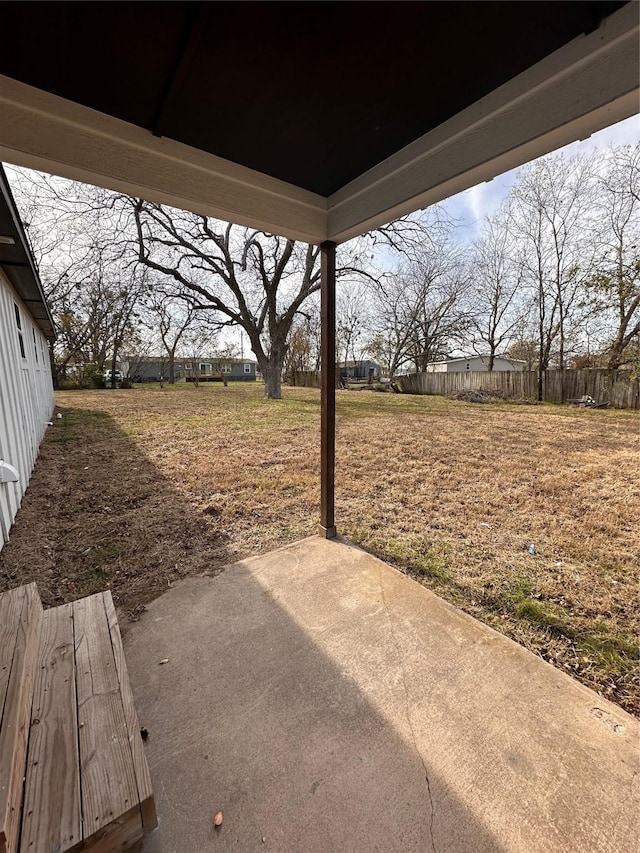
10 401
26 400
8 359
8 501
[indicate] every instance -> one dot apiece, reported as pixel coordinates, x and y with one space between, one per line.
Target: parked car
108 375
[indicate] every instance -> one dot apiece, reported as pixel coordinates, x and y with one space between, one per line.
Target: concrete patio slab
325 702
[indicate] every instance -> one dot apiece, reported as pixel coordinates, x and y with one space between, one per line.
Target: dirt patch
135 489
97 514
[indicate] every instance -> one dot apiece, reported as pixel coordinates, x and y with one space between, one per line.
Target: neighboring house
359 369
26 387
475 362
153 368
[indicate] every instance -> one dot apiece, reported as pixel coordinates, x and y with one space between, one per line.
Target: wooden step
20 618
88 785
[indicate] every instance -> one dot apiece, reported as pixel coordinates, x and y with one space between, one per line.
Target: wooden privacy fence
559 386
307 378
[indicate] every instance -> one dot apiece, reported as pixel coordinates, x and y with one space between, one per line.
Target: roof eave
38 307
588 84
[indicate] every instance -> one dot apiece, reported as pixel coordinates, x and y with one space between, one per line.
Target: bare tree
498 275
390 342
552 219
171 318
255 280
614 289
199 340
78 239
252 280
352 321
419 310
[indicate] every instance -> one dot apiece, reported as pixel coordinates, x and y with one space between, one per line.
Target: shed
360 369
26 386
479 363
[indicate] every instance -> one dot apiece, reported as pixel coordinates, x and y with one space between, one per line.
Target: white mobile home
26 389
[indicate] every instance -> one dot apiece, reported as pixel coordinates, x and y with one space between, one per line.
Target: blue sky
470 206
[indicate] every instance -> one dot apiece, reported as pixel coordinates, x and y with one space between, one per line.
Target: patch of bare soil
98 515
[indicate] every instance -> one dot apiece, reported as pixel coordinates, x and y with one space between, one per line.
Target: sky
469 207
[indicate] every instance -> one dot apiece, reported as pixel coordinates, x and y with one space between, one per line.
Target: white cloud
470 206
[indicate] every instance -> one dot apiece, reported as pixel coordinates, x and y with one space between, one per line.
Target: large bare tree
170 318
249 279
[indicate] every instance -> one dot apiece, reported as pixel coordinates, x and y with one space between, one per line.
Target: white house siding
26 399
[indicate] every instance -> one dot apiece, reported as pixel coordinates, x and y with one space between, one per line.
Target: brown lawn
135 489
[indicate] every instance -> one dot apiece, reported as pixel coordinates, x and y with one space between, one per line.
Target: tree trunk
614 360
272 372
114 361
172 369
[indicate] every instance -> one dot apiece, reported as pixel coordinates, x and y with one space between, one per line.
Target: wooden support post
328 388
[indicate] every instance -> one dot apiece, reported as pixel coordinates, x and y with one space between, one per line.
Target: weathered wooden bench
73 774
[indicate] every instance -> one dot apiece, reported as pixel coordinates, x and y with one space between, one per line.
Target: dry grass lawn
135 489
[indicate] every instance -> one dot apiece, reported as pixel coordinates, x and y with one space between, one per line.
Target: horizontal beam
42 131
588 84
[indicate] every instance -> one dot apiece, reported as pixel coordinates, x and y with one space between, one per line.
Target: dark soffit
313 93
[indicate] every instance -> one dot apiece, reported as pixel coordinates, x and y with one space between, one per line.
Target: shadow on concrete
259 723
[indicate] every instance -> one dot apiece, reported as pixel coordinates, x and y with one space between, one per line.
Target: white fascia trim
42 131
588 84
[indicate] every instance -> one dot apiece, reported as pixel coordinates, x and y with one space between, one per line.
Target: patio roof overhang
317 121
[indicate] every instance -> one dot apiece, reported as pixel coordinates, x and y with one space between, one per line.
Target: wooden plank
16 717
10 609
143 777
52 816
123 833
11 604
107 774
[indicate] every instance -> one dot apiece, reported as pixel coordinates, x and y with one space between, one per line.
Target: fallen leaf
218 819
164 660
